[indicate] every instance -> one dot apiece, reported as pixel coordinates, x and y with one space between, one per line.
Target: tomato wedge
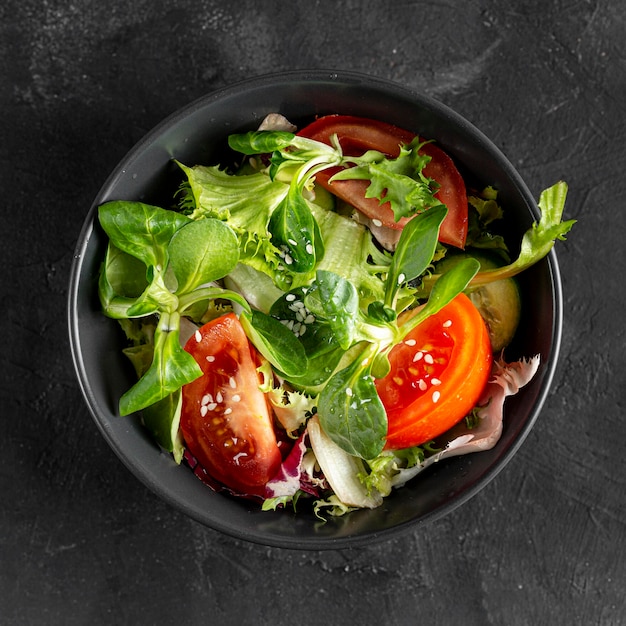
226 422
437 375
356 136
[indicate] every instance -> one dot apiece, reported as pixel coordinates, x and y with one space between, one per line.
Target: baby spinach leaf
351 412
201 252
141 230
275 342
415 249
293 230
260 141
162 420
339 303
171 368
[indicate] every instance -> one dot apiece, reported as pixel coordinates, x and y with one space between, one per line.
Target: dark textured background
82 541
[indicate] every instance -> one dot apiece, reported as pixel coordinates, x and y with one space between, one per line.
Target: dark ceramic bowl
196 135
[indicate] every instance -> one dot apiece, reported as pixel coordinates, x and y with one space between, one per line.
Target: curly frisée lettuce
321 304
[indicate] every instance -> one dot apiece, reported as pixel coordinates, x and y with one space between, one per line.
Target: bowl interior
197 135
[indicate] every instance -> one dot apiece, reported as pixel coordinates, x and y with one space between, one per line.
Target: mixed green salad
325 319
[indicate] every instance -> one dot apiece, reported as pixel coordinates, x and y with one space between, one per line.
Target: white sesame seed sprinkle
210 358
198 336
239 456
377 222
447 324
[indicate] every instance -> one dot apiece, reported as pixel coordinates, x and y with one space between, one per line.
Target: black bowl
197 134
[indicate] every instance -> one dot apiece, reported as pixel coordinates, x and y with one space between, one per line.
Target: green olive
499 302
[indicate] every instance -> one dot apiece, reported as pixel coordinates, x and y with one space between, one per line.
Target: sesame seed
210 358
422 385
435 382
436 396
198 336
428 358
377 222
447 324
228 411
410 342
418 356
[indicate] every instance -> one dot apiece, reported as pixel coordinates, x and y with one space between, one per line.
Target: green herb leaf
260 141
351 412
415 249
539 239
141 230
171 368
201 252
162 419
398 181
293 230
339 303
275 342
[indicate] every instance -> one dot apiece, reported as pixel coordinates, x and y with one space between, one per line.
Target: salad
326 318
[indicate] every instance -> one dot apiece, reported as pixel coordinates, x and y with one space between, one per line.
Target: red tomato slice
357 135
226 422
437 375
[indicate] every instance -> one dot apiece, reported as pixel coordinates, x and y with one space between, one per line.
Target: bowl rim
137 468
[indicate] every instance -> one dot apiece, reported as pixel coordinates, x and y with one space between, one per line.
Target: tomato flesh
357 135
437 375
226 422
